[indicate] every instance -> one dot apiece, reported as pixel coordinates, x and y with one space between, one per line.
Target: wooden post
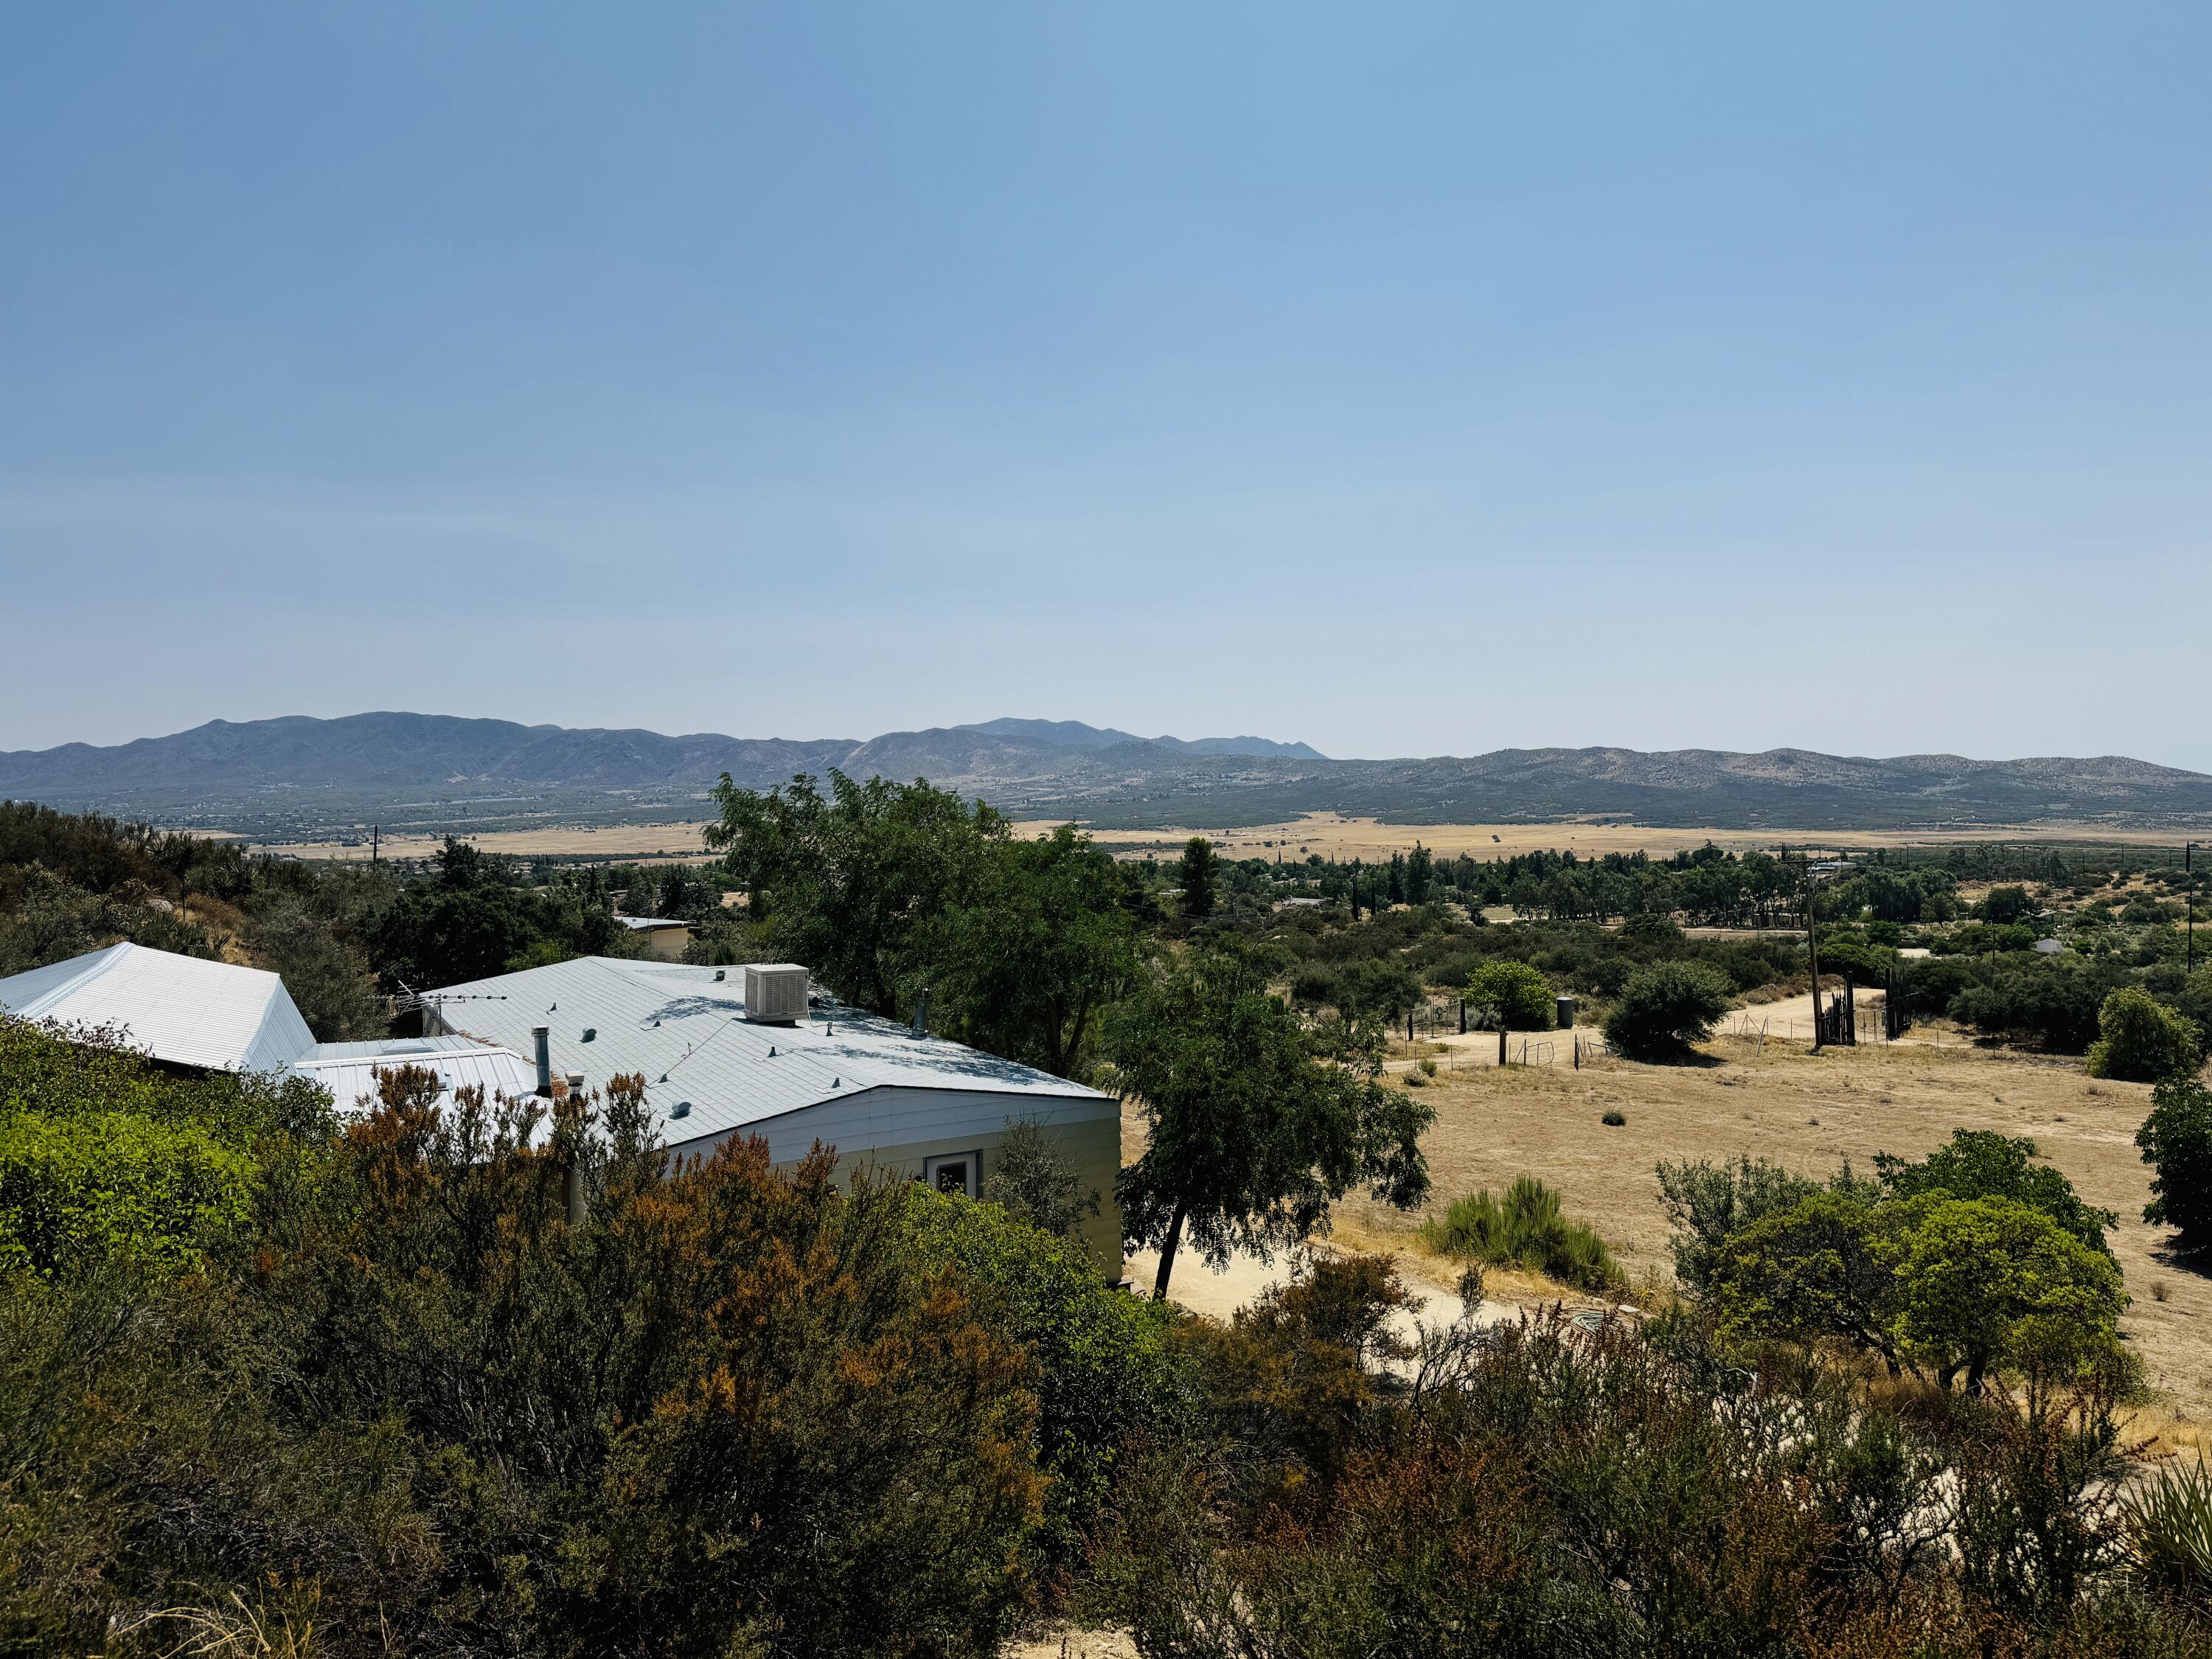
1812 950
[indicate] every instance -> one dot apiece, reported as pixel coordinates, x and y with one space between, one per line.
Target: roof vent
681 1109
775 992
590 1032
719 977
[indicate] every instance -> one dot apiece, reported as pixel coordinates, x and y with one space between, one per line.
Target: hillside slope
297 773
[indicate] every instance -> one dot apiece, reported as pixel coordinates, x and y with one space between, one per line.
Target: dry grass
625 843
1331 835
1812 1113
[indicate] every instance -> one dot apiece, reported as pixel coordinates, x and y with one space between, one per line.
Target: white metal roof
684 1029
188 1012
348 1070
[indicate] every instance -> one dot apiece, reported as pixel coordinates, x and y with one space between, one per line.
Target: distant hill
298 775
1074 735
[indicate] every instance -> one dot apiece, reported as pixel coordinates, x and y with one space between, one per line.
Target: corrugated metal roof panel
348 1070
215 1015
685 1032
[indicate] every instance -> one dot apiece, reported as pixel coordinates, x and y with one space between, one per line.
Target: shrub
2169 1526
1664 1008
79 1190
2176 1140
2141 1040
1614 1120
1528 1229
1522 998
1710 1204
1032 1181
1981 1163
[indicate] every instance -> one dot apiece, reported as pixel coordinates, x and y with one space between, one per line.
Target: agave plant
2169 1525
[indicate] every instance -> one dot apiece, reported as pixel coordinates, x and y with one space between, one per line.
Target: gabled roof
215 1015
684 1029
348 1070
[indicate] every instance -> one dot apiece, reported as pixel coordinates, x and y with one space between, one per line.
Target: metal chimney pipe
921 1014
542 1034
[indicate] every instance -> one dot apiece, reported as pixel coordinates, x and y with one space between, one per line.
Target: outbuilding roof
185 1010
348 1070
684 1029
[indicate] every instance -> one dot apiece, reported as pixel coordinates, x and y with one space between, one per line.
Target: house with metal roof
222 1017
348 1070
752 1050
214 1016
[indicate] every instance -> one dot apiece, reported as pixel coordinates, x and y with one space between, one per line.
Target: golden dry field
1329 834
1809 1112
1335 836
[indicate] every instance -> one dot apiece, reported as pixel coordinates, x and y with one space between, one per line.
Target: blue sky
1402 379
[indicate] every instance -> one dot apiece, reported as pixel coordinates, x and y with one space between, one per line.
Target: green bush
2141 1040
1614 1119
80 1190
1522 998
1104 1370
1528 1229
1664 1008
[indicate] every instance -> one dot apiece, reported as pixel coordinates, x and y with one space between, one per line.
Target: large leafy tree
1982 1164
1986 1282
1256 1122
856 879
1026 967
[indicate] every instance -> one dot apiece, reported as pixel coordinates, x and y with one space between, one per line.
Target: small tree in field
2176 1140
2141 1040
1666 1007
1522 998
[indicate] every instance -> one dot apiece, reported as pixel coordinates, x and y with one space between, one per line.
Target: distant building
663 938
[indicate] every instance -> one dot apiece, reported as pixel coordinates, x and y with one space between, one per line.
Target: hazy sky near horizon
1402 379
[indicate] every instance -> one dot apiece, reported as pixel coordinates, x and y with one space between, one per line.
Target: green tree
1710 1204
327 977
1989 1282
1982 1164
1420 874
1025 969
2176 1141
2141 1040
1519 997
1816 1269
858 877
1665 1008
2005 905
1199 876
1256 1124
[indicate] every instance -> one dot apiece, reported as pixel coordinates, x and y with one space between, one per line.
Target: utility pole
375 843
1812 950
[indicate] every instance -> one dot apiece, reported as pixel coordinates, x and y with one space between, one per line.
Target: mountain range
296 774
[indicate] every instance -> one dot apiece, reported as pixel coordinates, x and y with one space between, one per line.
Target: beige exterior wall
900 1129
667 943
1092 1149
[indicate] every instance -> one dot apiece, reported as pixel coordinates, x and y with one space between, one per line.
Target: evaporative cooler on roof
775 993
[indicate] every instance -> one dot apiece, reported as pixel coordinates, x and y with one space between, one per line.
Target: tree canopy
1256 1122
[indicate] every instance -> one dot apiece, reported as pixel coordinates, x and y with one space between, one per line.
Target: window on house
954 1172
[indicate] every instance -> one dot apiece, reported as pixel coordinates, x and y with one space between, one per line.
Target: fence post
1501 1042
